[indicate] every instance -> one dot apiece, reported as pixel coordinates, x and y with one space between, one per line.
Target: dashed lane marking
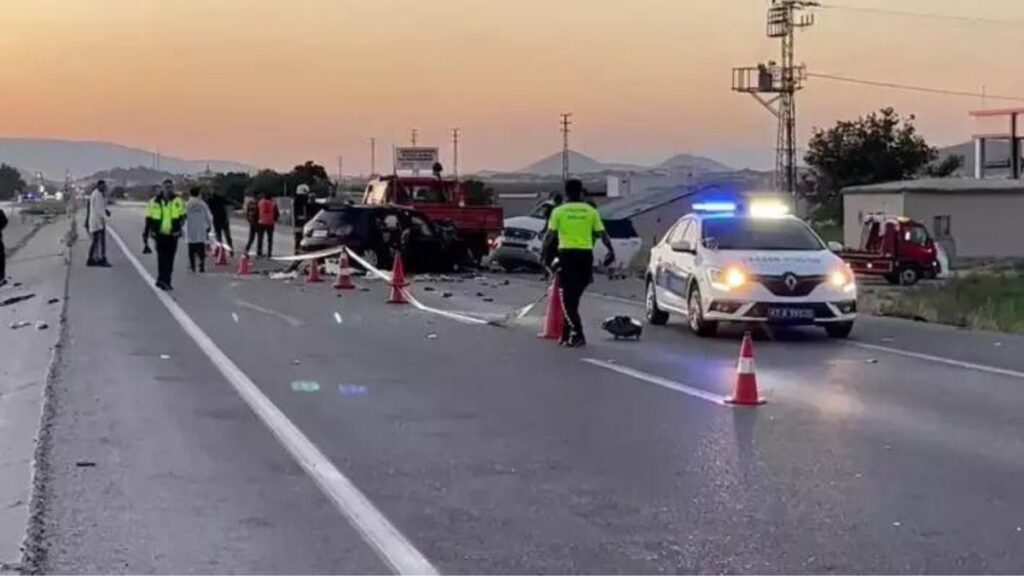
659 381
940 360
392 547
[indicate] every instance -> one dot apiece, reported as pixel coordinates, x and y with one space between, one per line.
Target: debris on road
431 336
998 344
234 317
16 299
305 386
284 275
446 295
85 464
488 299
165 357
897 524
429 289
479 294
337 318
352 389
296 362
19 324
53 300
872 361
42 325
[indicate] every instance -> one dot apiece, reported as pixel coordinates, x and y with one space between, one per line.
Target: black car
376 232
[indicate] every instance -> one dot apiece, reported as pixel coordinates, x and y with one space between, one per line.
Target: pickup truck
441 200
892 247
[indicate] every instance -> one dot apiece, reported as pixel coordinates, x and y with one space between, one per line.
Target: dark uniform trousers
575 273
166 249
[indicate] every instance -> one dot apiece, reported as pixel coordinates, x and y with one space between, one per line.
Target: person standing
221 226
96 222
572 229
302 212
198 223
3 250
252 216
268 216
147 231
165 217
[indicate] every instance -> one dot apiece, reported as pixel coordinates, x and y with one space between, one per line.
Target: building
639 184
971 218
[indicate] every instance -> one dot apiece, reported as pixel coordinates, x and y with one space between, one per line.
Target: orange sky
274 82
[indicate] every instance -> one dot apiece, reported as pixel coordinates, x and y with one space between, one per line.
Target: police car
759 265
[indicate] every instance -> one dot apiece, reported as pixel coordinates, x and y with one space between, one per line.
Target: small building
970 218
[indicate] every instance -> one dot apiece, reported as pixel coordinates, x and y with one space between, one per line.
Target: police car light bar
768 209
714 207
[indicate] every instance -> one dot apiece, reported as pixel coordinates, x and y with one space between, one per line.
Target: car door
669 273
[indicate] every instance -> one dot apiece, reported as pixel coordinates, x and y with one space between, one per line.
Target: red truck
441 200
895 248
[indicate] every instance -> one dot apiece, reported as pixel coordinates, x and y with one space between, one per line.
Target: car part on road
623 327
745 393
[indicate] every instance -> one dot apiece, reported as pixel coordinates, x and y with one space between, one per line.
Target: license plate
319 234
790 314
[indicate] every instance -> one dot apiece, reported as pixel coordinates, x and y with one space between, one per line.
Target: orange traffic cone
220 256
244 265
344 281
314 273
212 249
398 282
746 381
554 318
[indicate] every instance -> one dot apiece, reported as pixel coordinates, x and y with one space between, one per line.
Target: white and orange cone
746 379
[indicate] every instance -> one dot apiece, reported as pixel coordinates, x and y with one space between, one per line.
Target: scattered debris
897 524
53 300
284 275
887 447
337 318
364 289
42 325
305 386
479 294
872 361
623 327
431 336
352 389
506 283
488 299
165 357
234 317
19 324
429 289
85 464
16 285
446 295
296 362
998 344
16 299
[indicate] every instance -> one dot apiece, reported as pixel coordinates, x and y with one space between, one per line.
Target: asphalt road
481 449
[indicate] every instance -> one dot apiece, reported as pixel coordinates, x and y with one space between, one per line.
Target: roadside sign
415 158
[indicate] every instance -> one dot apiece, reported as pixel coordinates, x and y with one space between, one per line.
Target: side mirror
835 246
681 246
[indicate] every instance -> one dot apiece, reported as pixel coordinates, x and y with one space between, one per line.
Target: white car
521 241
724 266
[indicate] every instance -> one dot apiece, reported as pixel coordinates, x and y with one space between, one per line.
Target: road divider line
940 360
659 381
291 320
392 547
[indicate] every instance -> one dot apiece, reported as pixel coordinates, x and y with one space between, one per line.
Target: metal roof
631 206
941 186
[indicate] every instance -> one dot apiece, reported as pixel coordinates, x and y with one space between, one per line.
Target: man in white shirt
96 222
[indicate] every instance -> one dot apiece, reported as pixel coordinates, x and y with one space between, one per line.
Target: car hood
525 223
777 262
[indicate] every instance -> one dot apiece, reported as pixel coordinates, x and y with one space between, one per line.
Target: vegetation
880 147
11 182
477 193
986 301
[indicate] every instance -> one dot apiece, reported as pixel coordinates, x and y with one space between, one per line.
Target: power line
929 15
924 89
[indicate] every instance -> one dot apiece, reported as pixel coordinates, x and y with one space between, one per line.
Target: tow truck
892 247
441 200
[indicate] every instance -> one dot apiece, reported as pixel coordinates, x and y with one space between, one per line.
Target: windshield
760 234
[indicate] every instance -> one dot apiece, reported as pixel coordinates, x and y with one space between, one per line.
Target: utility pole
456 132
565 122
414 134
373 156
341 160
782 81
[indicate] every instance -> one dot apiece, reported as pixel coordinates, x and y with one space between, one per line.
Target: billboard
415 158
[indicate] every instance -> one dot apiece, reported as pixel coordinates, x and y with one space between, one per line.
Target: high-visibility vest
165 213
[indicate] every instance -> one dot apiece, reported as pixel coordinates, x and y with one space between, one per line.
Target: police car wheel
698 324
655 315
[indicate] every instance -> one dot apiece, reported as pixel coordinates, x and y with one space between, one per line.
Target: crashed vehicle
376 233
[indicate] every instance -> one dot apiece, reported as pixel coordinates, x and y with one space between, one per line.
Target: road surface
248 425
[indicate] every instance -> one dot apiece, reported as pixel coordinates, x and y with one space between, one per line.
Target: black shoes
573 341
163 286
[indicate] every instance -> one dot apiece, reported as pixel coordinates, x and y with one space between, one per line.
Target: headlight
843 279
726 279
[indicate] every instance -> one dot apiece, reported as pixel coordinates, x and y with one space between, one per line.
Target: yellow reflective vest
165 216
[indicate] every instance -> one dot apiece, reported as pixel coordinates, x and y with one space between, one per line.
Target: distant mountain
552 165
582 164
53 157
138 176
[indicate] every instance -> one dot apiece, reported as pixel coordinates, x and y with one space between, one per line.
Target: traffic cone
220 256
313 277
212 250
344 281
398 282
746 381
244 265
554 318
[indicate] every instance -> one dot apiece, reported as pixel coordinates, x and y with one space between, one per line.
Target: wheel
698 324
655 315
839 329
908 275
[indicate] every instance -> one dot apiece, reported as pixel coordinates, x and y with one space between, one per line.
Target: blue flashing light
714 207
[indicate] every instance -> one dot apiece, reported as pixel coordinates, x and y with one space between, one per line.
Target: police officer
147 230
302 212
572 229
165 217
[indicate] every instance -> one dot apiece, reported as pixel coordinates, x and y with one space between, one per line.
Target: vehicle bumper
516 254
826 305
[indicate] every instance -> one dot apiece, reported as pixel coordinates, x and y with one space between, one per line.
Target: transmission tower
774 85
565 123
456 132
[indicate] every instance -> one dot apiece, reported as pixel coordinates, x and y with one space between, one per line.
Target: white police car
761 265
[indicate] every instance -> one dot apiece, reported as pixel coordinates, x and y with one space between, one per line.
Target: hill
82 158
582 164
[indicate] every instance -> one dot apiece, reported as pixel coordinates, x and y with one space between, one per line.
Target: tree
266 181
11 182
232 185
477 193
312 175
881 147
945 167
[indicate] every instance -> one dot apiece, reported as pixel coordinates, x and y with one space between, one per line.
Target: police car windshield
760 234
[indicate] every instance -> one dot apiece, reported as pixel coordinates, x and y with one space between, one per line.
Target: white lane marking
940 360
375 528
658 380
291 320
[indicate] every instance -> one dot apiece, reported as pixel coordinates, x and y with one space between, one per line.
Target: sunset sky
274 82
